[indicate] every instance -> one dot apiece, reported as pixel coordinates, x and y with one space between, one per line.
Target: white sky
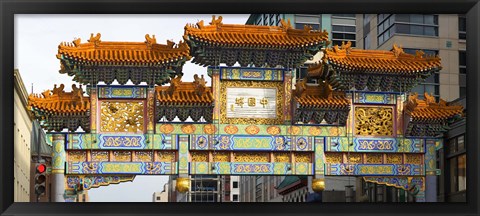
36 42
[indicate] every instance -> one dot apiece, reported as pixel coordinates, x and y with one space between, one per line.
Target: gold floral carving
394 159
231 129
315 131
199 156
221 157
166 128
414 159
165 156
281 157
252 84
334 158
273 130
99 156
252 129
188 128
301 157
145 156
373 158
354 158
122 116
252 157
209 129
374 121
122 156
77 156
294 130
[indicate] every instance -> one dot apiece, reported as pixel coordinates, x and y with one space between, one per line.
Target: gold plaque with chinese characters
251 102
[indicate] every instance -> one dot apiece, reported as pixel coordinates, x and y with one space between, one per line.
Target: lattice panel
77 156
394 159
334 158
123 156
166 156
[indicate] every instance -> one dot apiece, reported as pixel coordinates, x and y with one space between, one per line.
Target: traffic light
40 178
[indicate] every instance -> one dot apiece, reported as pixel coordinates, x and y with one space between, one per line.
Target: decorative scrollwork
122 156
76 156
166 156
221 157
143 156
281 157
252 157
334 158
199 156
354 158
301 157
373 121
414 159
394 159
373 158
99 156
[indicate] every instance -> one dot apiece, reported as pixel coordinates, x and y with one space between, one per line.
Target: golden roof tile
394 61
185 93
319 96
428 109
60 102
130 52
254 35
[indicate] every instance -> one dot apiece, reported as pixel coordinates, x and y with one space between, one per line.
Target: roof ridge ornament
397 50
95 40
216 22
419 54
76 42
285 25
199 84
150 40
174 83
346 46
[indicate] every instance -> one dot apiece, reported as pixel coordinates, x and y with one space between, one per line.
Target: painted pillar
151 116
93 109
287 105
215 74
58 167
431 170
182 144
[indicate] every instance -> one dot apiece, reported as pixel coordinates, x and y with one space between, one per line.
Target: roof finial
397 50
150 40
95 39
285 25
216 22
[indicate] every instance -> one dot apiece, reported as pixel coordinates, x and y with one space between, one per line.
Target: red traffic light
41 168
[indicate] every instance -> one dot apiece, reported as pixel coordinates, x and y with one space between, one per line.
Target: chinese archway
358 120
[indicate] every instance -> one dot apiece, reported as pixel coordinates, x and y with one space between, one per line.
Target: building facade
435 34
163 195
452 181
260 188
22 135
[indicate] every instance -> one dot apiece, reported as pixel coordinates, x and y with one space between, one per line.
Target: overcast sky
36 44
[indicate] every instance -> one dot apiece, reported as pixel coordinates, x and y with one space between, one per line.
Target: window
462 61
272 20
277 19
235 184
235 197
412 24
462 27
265 19
311 20
259 21
385 28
